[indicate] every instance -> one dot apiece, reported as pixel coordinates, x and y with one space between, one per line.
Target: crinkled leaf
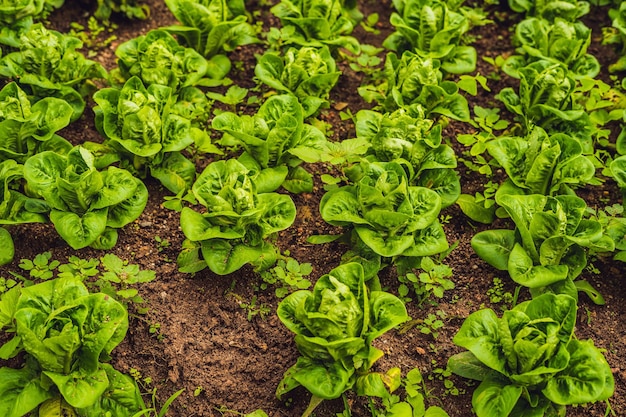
79 231
587 378
495 398
80 389
224 258
21 391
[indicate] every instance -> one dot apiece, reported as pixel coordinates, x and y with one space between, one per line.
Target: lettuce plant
86 205
15 206
413 79
529 362
49 65
27 128
559 41
11 11
618 170
158 58
16 16
335 325
67 336
546 99
406 137
323 22
387 214
241 214
212 27
615 222
142 130
541 164
548 248
618 36
131 8
308 73
433 30
570 10
276 136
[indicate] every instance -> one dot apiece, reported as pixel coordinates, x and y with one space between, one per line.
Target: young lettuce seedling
28 127
412 79
558 41
407 137
569 10
275 137
144 130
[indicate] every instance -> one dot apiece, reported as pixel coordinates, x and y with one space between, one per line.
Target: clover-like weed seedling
41 267
120 277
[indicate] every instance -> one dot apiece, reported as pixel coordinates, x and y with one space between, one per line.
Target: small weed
145 383
288 275
223 409
432 281
413 403
368 61
441 374
262 310
497 295
91 35
6 284
199 390
369 23
253 308
431 324
120 277
116 280
155 331
162 243
445 218
154 411
78 267
41 267
138 377
486 120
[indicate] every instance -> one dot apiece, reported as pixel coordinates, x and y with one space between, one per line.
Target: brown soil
207 344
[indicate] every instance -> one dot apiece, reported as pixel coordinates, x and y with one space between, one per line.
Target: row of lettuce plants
530 358
63 332
389 198
389 206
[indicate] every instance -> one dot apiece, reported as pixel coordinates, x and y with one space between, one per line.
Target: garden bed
219 338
